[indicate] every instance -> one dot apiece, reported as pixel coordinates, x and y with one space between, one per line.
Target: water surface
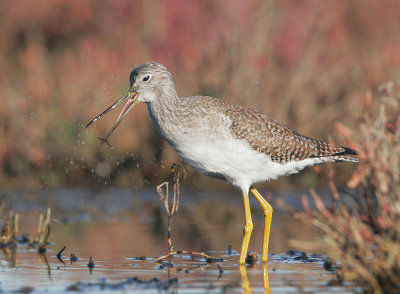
124 231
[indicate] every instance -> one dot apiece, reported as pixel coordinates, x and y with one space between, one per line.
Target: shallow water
116 227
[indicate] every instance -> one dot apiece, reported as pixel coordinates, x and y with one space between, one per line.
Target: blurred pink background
307 63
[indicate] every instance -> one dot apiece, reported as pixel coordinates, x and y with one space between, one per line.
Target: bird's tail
343 155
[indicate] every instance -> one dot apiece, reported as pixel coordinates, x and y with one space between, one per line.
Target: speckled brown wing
271 137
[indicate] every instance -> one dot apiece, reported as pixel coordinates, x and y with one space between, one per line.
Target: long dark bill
130 103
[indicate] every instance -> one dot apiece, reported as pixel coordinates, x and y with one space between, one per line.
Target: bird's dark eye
146 78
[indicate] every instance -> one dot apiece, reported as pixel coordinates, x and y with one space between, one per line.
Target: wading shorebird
224 140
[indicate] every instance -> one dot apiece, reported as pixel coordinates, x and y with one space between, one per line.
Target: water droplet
103 169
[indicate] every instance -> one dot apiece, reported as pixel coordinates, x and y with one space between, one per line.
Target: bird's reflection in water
246 283
245 280
264 268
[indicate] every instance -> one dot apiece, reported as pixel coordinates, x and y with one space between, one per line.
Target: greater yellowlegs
224 140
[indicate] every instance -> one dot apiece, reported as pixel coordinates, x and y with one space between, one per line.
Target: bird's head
148 82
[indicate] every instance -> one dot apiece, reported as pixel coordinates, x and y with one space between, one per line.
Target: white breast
236 162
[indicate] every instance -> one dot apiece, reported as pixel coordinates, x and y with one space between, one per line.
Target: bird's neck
165 101
163 111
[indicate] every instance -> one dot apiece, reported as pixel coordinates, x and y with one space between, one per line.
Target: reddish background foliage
62 62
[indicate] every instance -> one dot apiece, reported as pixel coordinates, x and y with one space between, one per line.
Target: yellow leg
248 228
267 208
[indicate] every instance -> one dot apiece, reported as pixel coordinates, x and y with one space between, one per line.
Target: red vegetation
61 62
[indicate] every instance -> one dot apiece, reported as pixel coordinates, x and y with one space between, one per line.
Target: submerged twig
171 208
2 205
10 231
163 193
42 254
59 255
44 231
209 259
10 235
220 273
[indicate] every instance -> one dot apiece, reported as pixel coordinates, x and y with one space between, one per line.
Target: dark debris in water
165 264
251 258
211 260
91 264
140 258
230 251
73 258
59 256
329 266
130 283
25 289
296 256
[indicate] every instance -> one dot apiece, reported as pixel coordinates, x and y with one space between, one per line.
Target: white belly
234 161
